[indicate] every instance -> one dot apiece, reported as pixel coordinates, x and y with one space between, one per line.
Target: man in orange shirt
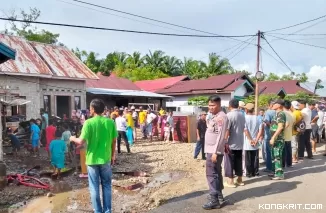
115 112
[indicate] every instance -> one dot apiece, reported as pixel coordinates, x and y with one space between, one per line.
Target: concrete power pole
257 70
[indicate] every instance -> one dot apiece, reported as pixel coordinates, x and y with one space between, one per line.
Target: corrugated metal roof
322 91
111 82
161 83
218 82
130 93
37 59
27 60
63 62
310 86
290 87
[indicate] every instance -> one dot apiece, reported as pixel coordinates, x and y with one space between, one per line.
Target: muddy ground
167 166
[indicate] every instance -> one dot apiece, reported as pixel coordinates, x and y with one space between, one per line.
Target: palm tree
192 68
155 59
171 66
216 66
134 60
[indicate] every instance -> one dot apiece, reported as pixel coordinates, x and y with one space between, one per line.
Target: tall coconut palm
134 60
171 66
155 59
192 68
216 66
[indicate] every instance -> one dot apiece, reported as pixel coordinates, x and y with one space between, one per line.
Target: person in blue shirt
261 115
35 136
266 151
15 143
57 151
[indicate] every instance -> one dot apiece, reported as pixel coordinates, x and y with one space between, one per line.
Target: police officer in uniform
214 148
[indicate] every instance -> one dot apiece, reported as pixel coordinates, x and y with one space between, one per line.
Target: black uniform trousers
214 176
252 162
304 143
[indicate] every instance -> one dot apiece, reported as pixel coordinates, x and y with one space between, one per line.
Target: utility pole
257 70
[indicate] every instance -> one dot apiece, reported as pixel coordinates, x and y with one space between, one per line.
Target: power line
272 56
311 45
283 28
119 16
276 53
304 34
241 49
121 30
151 19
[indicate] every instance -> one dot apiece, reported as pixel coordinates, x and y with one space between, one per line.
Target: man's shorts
35 143
314 132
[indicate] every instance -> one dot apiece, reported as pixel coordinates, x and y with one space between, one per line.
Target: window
47 103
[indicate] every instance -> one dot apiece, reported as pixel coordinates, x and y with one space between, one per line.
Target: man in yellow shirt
297 117
142 121
162 111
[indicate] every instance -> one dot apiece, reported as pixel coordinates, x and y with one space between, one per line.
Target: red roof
161 83
219 82
111 82
274 87
234 85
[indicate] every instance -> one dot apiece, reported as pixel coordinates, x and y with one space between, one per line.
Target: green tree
92 62
28 31
272 77
215 66
171 66
198 101
155 59
134 60
139 73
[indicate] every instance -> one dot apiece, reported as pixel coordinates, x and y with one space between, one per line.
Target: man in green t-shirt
277 141
99 133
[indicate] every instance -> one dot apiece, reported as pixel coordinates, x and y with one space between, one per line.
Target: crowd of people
283 132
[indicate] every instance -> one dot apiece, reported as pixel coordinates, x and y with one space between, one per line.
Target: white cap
132 107
242 104
295 104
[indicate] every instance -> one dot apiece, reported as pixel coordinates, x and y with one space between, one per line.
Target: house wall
60 87
240 91
182 100
34 88
111 101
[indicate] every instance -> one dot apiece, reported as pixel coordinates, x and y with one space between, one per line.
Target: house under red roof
275 87
162 83
227 82
111 82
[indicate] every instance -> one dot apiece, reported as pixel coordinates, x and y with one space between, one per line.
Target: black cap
279 101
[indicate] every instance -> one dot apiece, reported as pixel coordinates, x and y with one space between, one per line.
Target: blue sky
226 17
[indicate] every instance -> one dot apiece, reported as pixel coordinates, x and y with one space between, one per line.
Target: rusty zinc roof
27 60
63 62
37 59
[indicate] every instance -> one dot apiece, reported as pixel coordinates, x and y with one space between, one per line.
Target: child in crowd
35 136
15 143
66 138
167 132
50 135
57 152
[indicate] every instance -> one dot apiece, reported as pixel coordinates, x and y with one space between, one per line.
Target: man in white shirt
121 124
320 122
304 142
149 123
171 125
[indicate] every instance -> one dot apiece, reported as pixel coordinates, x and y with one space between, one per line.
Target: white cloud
317 72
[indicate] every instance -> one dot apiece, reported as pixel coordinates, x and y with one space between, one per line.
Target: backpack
300 127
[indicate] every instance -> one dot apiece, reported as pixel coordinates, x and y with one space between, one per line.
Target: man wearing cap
253 133
304 142
242 107
201 130
297 117
266 150
277 141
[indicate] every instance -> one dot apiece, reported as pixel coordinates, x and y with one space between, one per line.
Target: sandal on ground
226 184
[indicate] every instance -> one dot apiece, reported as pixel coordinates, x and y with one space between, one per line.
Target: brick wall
34 88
